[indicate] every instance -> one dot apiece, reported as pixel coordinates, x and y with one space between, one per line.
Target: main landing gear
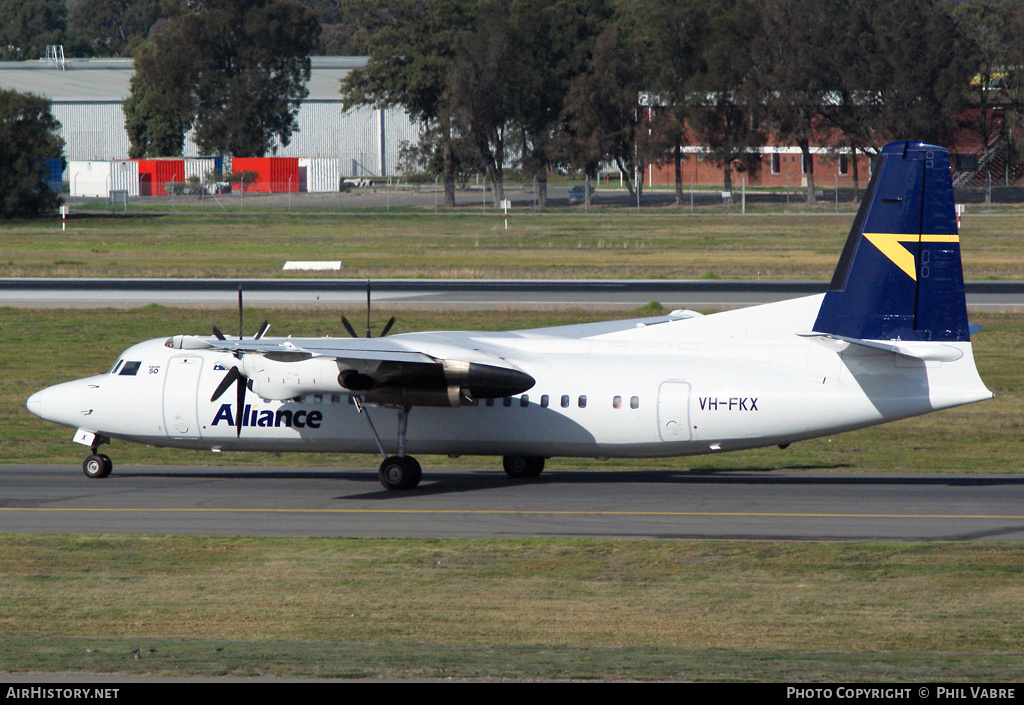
403 472
522 467
400 472
397 472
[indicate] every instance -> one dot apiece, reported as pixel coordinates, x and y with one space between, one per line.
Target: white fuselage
689 386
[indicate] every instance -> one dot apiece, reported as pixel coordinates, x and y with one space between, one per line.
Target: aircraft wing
414 369
283 348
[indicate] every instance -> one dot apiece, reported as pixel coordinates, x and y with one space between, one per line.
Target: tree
921 71
987 29
604 116
670 37
157 115
412 49
113 27
27 27
28 136
797 90
722 114
341 33
553 41
238 68
851 61
481 89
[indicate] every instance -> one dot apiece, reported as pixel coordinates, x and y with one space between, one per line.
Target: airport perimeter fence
367 195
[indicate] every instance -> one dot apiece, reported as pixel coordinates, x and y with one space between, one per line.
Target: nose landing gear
97 466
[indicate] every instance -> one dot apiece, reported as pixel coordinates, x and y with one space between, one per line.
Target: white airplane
888 340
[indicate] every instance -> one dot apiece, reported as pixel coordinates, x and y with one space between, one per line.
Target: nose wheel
97 466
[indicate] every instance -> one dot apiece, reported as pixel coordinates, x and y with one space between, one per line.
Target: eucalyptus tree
670 35
722 101
921 71
236 68
988 29
413 46
29 134
791 74
27 27
606 117
554 40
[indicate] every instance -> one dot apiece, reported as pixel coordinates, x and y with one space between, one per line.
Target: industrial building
86 96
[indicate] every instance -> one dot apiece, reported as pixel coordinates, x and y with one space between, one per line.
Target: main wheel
97 466
523 467
400 473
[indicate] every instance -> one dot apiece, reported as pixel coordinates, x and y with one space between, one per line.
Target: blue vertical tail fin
900 277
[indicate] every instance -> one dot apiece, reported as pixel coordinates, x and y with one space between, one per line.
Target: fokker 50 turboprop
888 340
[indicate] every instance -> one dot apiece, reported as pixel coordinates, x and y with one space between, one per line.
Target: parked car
577 194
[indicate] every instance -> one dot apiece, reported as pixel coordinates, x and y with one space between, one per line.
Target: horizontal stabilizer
928 352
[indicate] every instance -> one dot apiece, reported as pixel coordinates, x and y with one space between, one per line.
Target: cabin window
507 401
616 402
544 400
490 402
524 400
634 402
131 368
582 403
565 401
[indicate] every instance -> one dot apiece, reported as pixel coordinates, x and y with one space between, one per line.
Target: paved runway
477 503
442 294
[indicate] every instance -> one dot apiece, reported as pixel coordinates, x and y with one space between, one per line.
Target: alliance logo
268 418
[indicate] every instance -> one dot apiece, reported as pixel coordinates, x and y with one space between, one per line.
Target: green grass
524 608
602 246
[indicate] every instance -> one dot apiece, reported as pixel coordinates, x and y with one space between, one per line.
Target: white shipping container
97 179
124 176
198 168
89 178
323 174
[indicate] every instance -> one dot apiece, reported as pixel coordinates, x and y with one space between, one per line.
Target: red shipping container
273 174
155 173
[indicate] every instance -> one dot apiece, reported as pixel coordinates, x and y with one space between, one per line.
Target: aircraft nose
63 403
42 403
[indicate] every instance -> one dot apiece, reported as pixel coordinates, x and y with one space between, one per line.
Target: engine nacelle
280 379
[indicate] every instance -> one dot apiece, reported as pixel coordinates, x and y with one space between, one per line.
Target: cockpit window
131 368
113 370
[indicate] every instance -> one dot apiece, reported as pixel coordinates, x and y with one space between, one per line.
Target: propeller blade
367 308
262 331
239 404
233 375
348 327
239 311
217 332
387 326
